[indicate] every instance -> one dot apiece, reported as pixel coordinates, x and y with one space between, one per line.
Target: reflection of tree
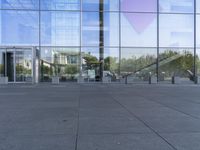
198 64
1 69
111 64
181 66
20 69
135 64
91 62
170 63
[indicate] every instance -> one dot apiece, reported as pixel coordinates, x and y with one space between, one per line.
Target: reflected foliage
176 63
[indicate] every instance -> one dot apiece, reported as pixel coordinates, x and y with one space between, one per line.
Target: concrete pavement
99 117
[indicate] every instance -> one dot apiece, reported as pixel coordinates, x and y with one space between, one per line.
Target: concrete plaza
99 117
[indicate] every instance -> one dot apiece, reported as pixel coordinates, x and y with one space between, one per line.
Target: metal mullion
14 64
6 72
119 37
80 63
195 69
158 44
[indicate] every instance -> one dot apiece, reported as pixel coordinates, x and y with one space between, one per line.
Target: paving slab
184 141
122 142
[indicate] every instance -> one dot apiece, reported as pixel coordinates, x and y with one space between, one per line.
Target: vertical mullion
80 42
195 69
158 45
101 37
40 71
119 37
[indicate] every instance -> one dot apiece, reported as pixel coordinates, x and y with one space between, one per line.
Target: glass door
17 64
23 65
10 72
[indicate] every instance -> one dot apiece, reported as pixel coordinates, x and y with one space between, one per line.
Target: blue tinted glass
60 4
184 6
19 27
60 28
176 30
198 30
19 4
91 29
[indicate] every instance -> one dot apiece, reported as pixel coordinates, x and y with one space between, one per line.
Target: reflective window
197 6
91 62
198 61
176 30
62 62
19 4
139 5
19 27
60 4
94 5
180 6
138 62
111 62
198 31
91 29
176 62
138 29
60 28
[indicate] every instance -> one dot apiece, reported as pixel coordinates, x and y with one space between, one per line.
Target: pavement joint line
78 119
142 121
172 108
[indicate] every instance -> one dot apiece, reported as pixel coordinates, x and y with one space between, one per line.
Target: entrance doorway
17 64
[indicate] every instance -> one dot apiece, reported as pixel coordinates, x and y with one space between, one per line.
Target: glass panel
176 30
19 4
138 63
60 4
62 62
91 63
198 30
111 63
197 6
111 29
23 62
93 5
91 29
139 5
198 61
60 28
2 62
138 30
176 62
19 28
178 6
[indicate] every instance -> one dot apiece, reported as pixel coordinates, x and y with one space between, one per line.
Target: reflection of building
123 37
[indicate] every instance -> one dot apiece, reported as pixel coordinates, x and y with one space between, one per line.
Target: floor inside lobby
91 116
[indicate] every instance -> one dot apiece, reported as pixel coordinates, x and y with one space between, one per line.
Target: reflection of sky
19 27
177 6
62 28
20 4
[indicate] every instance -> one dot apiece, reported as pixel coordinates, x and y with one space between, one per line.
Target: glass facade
102 38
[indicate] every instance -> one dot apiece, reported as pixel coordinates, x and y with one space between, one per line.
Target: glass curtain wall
176 40
138 39
98 38
197 38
